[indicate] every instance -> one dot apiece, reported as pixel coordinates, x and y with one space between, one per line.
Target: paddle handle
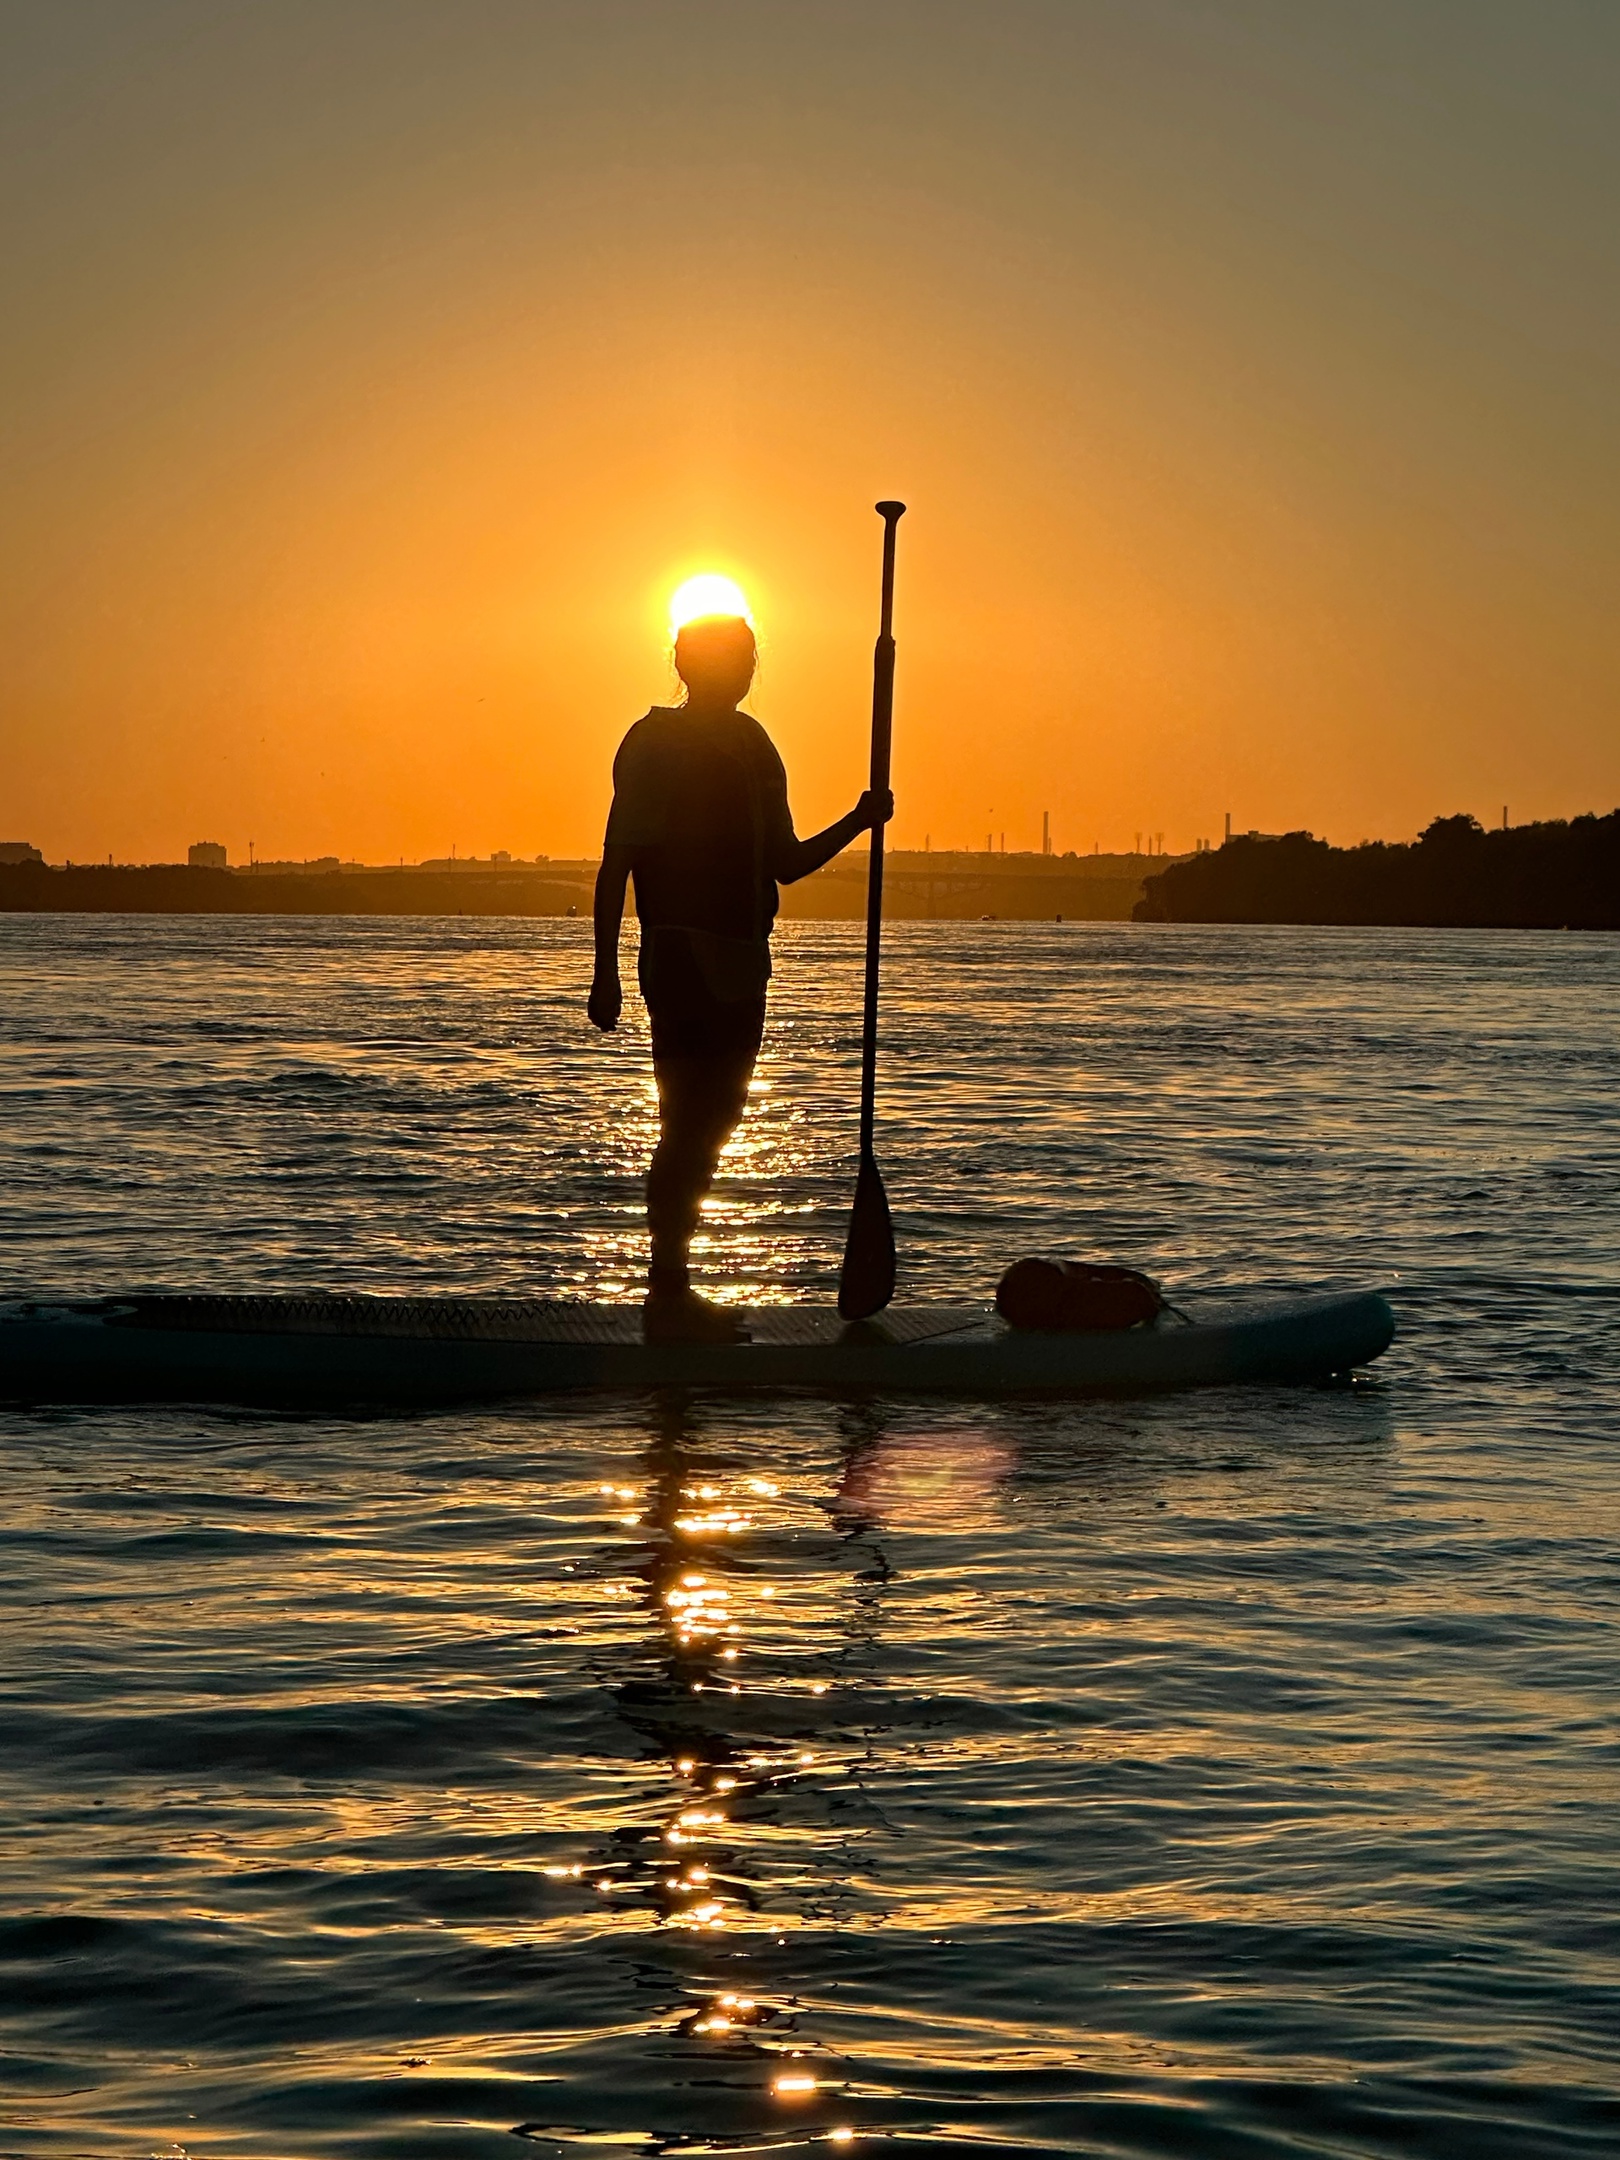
882 734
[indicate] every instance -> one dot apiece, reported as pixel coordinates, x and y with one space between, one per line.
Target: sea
1231 1775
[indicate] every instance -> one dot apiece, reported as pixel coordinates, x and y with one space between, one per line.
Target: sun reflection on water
750 1237
720 1691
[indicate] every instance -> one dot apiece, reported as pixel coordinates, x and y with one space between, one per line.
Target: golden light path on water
747 1227
712 1863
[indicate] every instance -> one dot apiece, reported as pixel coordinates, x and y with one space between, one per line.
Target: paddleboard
326 1351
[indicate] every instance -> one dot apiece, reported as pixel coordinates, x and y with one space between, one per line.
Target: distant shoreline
918 887
1558 875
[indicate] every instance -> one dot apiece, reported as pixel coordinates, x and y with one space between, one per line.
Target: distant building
500 861
206 855
19 851
311 866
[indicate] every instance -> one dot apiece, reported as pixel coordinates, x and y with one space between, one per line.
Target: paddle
866 1282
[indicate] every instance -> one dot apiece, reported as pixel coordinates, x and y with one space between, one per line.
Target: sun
707 594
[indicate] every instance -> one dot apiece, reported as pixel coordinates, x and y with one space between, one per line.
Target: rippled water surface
1226 1775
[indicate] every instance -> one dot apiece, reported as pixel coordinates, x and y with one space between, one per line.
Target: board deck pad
538 1320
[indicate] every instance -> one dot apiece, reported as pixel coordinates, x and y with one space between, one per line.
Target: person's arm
796 858
606 1000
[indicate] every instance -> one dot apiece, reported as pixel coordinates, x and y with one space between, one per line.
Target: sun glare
708 594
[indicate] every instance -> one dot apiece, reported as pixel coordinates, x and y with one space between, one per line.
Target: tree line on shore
1564 874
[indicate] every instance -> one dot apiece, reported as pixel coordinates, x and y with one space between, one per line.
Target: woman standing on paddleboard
700 820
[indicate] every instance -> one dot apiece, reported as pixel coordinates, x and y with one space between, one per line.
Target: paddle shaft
882 732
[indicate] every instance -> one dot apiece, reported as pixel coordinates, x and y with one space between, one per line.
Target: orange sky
374 369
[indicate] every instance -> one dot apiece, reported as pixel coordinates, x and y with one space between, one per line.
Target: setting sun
708 594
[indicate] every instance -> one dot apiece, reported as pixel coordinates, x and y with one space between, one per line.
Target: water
1223 1776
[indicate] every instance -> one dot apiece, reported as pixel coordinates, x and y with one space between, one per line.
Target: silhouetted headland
1559 875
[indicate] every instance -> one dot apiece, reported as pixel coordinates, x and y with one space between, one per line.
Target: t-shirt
701 802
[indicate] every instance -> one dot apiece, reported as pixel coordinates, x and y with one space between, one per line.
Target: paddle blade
866 1282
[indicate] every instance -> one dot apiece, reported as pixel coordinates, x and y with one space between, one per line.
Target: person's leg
700 1100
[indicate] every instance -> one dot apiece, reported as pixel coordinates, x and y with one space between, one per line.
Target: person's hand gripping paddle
866 1282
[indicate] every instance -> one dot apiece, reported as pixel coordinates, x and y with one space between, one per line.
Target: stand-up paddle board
357 1350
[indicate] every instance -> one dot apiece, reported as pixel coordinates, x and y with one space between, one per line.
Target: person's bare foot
671 1316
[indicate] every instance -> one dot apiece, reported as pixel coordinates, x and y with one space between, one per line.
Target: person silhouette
700 821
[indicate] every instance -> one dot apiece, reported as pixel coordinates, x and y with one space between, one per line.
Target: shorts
688 1019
